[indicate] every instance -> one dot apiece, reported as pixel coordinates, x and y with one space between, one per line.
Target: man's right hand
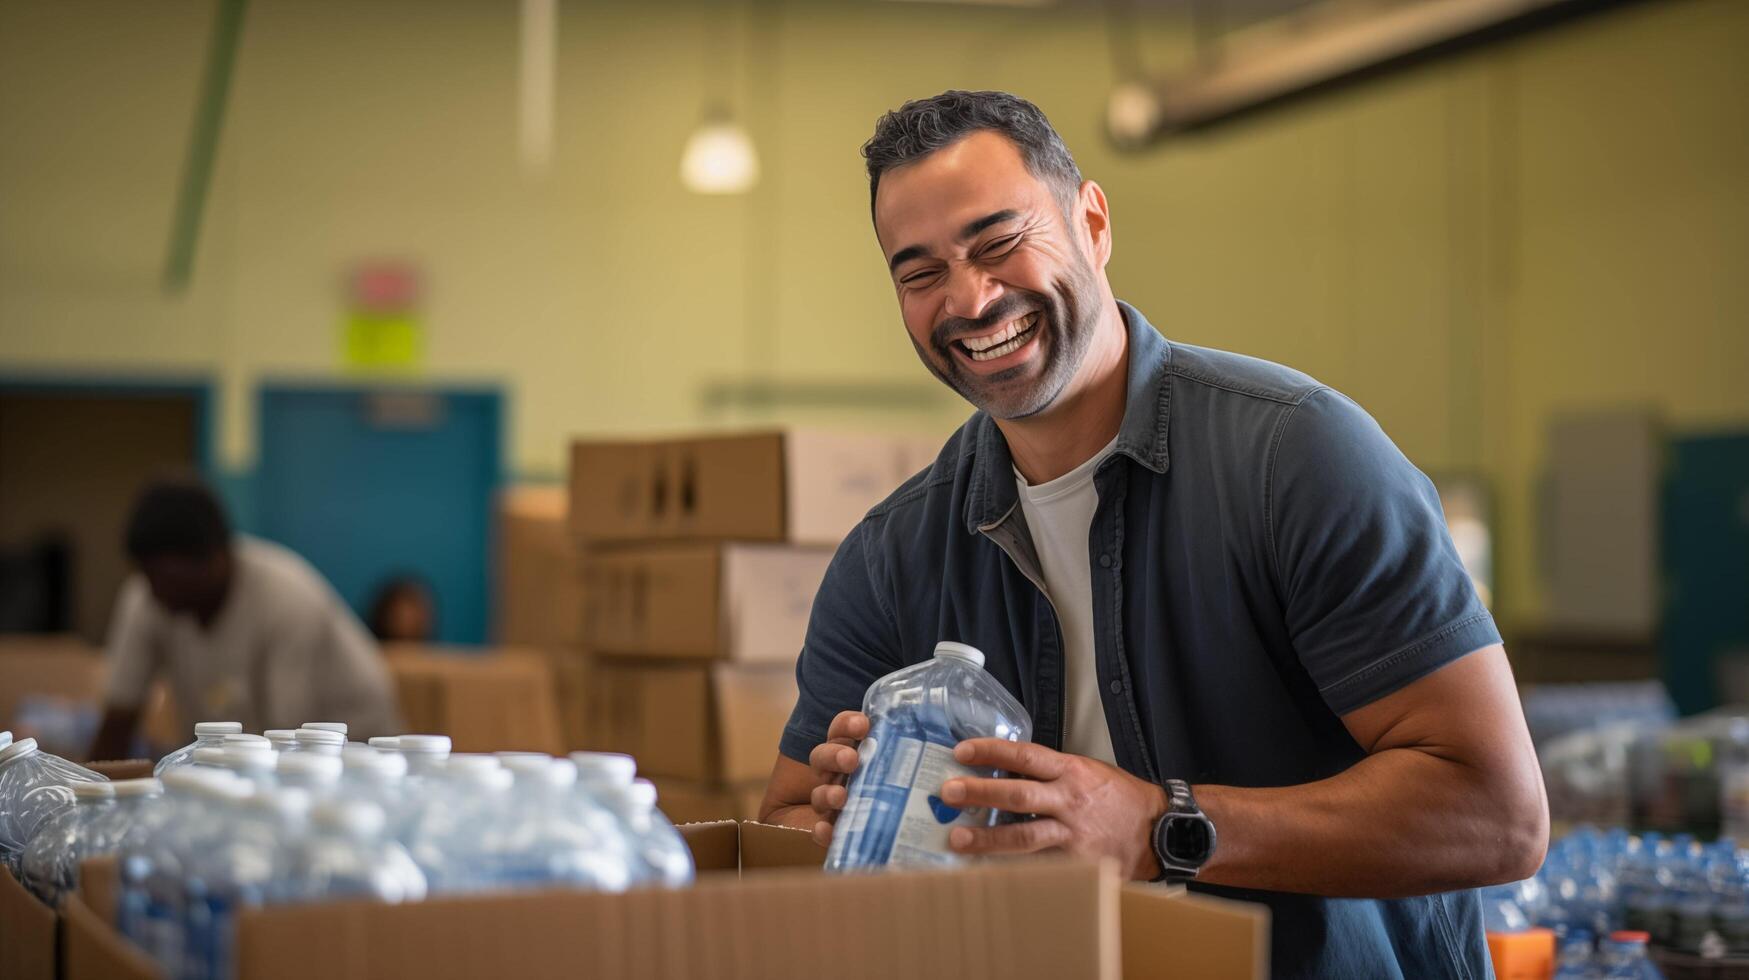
833 761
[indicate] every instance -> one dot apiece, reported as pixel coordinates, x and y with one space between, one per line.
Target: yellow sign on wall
383 342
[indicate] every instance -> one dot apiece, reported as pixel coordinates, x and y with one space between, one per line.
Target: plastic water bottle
136 804
246 865
548 839
1624 956
34 786
318 775
464 804
254 765
1501 911
652 837
426 755
917 715
149 909
1576 960
319 741
49 866
207 734
347 856
282 739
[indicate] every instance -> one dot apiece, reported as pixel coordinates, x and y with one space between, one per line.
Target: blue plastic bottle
894 815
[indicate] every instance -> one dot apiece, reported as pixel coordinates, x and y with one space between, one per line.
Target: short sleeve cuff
1398 670
797 744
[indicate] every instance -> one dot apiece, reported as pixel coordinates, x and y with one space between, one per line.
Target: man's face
995 287
188 584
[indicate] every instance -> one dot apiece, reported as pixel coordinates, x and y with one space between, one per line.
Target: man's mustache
1004 309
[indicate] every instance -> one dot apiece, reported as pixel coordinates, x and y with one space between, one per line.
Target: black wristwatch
1184 839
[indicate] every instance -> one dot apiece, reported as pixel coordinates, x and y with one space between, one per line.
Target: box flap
715 845
27 932
118 769
1170 930
1025 921
95 951
99 885
764 846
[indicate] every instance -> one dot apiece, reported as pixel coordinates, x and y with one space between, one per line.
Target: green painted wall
1551 224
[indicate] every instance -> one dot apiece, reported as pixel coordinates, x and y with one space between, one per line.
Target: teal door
370 485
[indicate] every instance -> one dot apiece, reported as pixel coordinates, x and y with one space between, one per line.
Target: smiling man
1250 652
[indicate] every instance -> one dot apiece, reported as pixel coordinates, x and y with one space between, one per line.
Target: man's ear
1095 221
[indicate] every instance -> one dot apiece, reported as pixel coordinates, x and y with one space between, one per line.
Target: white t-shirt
284 649
1060 514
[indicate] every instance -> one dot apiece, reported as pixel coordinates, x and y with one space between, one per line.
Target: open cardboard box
28 927
760 909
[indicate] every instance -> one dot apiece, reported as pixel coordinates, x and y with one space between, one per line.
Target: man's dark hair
176 516
922 126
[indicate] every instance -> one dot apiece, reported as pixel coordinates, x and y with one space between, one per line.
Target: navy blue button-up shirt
1265 560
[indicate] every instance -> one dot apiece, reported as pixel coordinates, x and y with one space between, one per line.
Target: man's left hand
1084 807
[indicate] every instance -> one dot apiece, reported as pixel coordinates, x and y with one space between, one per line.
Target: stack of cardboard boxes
700 562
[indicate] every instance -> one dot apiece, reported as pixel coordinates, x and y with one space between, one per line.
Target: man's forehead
938 194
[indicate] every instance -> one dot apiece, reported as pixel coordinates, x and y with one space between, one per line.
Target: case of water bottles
274 856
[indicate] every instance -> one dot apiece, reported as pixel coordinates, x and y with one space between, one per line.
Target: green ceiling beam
203 144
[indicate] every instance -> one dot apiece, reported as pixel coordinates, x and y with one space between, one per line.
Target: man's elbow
1521 835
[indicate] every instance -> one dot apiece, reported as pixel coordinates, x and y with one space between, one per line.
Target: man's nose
970 292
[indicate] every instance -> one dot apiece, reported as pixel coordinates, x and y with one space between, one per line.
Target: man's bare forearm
1400 822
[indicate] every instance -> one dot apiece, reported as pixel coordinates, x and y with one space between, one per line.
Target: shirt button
1104 561
1117 687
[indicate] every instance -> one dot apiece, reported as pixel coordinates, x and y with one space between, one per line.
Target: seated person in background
403 611
243 629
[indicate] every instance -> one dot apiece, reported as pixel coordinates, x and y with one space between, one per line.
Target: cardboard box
743 602
801 486
573 680
760 909
685 801
500 699
539 586
718 723
27 932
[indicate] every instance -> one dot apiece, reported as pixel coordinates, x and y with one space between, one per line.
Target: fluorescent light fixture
719 158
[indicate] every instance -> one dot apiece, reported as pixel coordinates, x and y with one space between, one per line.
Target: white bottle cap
183 779
87 791
423 744
560 773
354 818
320 736
208 755
366 760
470 762
138 787
384 743
643 793
524 762
326 726
22 747
606 767
282 801
217 728
310 766
960 651
280 736
248 743
246 760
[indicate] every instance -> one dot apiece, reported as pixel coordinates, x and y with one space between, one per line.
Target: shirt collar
992 493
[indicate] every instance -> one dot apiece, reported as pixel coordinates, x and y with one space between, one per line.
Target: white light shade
719 159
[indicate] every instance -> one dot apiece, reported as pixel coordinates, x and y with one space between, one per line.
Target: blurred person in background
1253 659
243 629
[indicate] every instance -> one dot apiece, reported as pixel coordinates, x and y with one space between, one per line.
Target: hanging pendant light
719 157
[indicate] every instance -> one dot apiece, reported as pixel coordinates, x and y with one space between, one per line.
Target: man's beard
1066 323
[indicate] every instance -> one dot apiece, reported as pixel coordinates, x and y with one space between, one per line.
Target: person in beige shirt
240 628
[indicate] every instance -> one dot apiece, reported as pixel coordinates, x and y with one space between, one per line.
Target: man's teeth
1004 341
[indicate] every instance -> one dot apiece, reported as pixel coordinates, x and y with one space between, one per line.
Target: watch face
1187 840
